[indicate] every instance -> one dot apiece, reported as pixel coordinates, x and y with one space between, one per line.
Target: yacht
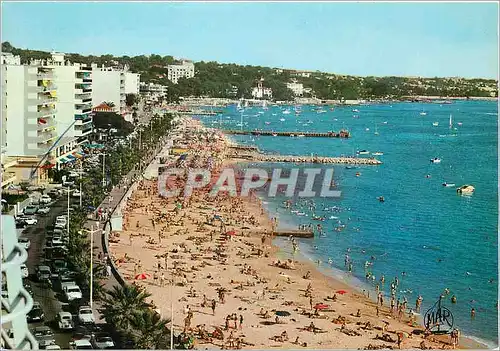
435 124
436 160
423 113
282 119
362 152
274 134
378 153
286 112
466 189
448 184
355 110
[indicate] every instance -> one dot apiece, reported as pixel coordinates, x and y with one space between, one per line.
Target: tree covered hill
230 80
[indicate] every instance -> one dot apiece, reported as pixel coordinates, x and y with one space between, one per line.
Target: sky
366 39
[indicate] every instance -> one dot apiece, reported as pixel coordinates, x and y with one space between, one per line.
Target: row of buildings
47 110
261 92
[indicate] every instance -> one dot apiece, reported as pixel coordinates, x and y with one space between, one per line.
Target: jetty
341 134
295 233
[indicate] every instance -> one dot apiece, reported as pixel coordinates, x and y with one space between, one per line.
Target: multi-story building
108 85
18 302
153 89
185 69
132 83
297 88
260 92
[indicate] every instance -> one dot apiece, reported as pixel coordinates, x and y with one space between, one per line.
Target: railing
19 302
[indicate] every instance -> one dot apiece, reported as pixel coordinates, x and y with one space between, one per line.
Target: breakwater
341 134
316 159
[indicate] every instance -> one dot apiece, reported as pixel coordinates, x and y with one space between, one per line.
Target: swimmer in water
315 247
330 261
428 176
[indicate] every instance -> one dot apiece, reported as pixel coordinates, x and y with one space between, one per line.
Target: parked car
45 199
25 242
85 315
53 347
72 292
30 210
82 344
59 266
44 336
29 220
65 320
102 341
54 193
43 273
76 193
21 224
27 287
36 314
43 210
24 271
67 183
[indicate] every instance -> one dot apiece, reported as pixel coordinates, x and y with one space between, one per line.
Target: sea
424 233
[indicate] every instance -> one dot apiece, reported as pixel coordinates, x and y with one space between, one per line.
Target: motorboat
459 123
466 189
282 119
381 199
435 160
350 167
300 136
355 110
435 124
267 122
423 113
362 152
448 184
358 174
378 153
274 134
286 112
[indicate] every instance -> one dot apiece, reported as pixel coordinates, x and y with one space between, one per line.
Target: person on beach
155 277
241 321
214 303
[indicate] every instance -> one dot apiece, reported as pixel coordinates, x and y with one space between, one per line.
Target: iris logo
438 319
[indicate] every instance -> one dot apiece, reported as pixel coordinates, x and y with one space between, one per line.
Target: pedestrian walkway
110 203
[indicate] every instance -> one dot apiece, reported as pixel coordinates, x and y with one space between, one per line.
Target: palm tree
150 330
122 303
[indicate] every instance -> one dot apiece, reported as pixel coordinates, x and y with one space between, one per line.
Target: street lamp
91 232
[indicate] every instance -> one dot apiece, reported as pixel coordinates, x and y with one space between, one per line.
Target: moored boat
466 189
435 160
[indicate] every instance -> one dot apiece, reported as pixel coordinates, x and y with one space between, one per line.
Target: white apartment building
45 115
260 92
297 88
153 89
132 83
185 69
108 85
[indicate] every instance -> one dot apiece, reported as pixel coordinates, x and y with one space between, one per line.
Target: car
30 220
44 336
59 266
43 273
82 344
43 210
68 183
27 287
53 347
36 314
45 199
24 271
30 210
65 320
76 193
102 341
54 193
21 224
25 242
72 292
85 315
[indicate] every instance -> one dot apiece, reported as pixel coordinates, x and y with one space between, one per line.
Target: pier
295 233
341 134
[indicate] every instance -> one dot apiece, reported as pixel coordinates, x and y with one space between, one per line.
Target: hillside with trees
214 79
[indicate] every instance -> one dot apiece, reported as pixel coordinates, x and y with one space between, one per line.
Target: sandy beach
230 289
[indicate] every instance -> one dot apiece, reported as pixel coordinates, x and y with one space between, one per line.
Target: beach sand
202 259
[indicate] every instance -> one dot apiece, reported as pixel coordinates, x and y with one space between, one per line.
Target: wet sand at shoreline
225 244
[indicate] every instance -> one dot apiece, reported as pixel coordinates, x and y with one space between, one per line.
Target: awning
77 155
71 157
62 160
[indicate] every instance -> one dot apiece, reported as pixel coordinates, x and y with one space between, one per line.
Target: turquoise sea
439 238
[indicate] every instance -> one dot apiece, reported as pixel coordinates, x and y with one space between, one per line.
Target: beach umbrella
142 276
282 313
320 306
341 292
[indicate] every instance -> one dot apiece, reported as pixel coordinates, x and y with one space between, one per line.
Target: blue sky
409 39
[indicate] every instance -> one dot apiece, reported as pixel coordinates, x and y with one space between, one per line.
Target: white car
43 210
76 193
102 341
53 347
45 199
85 315
82 344
65 320
25 242
72 292
29 220
68 183
24 271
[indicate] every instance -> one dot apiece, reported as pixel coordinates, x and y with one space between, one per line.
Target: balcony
49 123
45 75
87 80
81 111
45 112
44 99
82 119
83 132
87 90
